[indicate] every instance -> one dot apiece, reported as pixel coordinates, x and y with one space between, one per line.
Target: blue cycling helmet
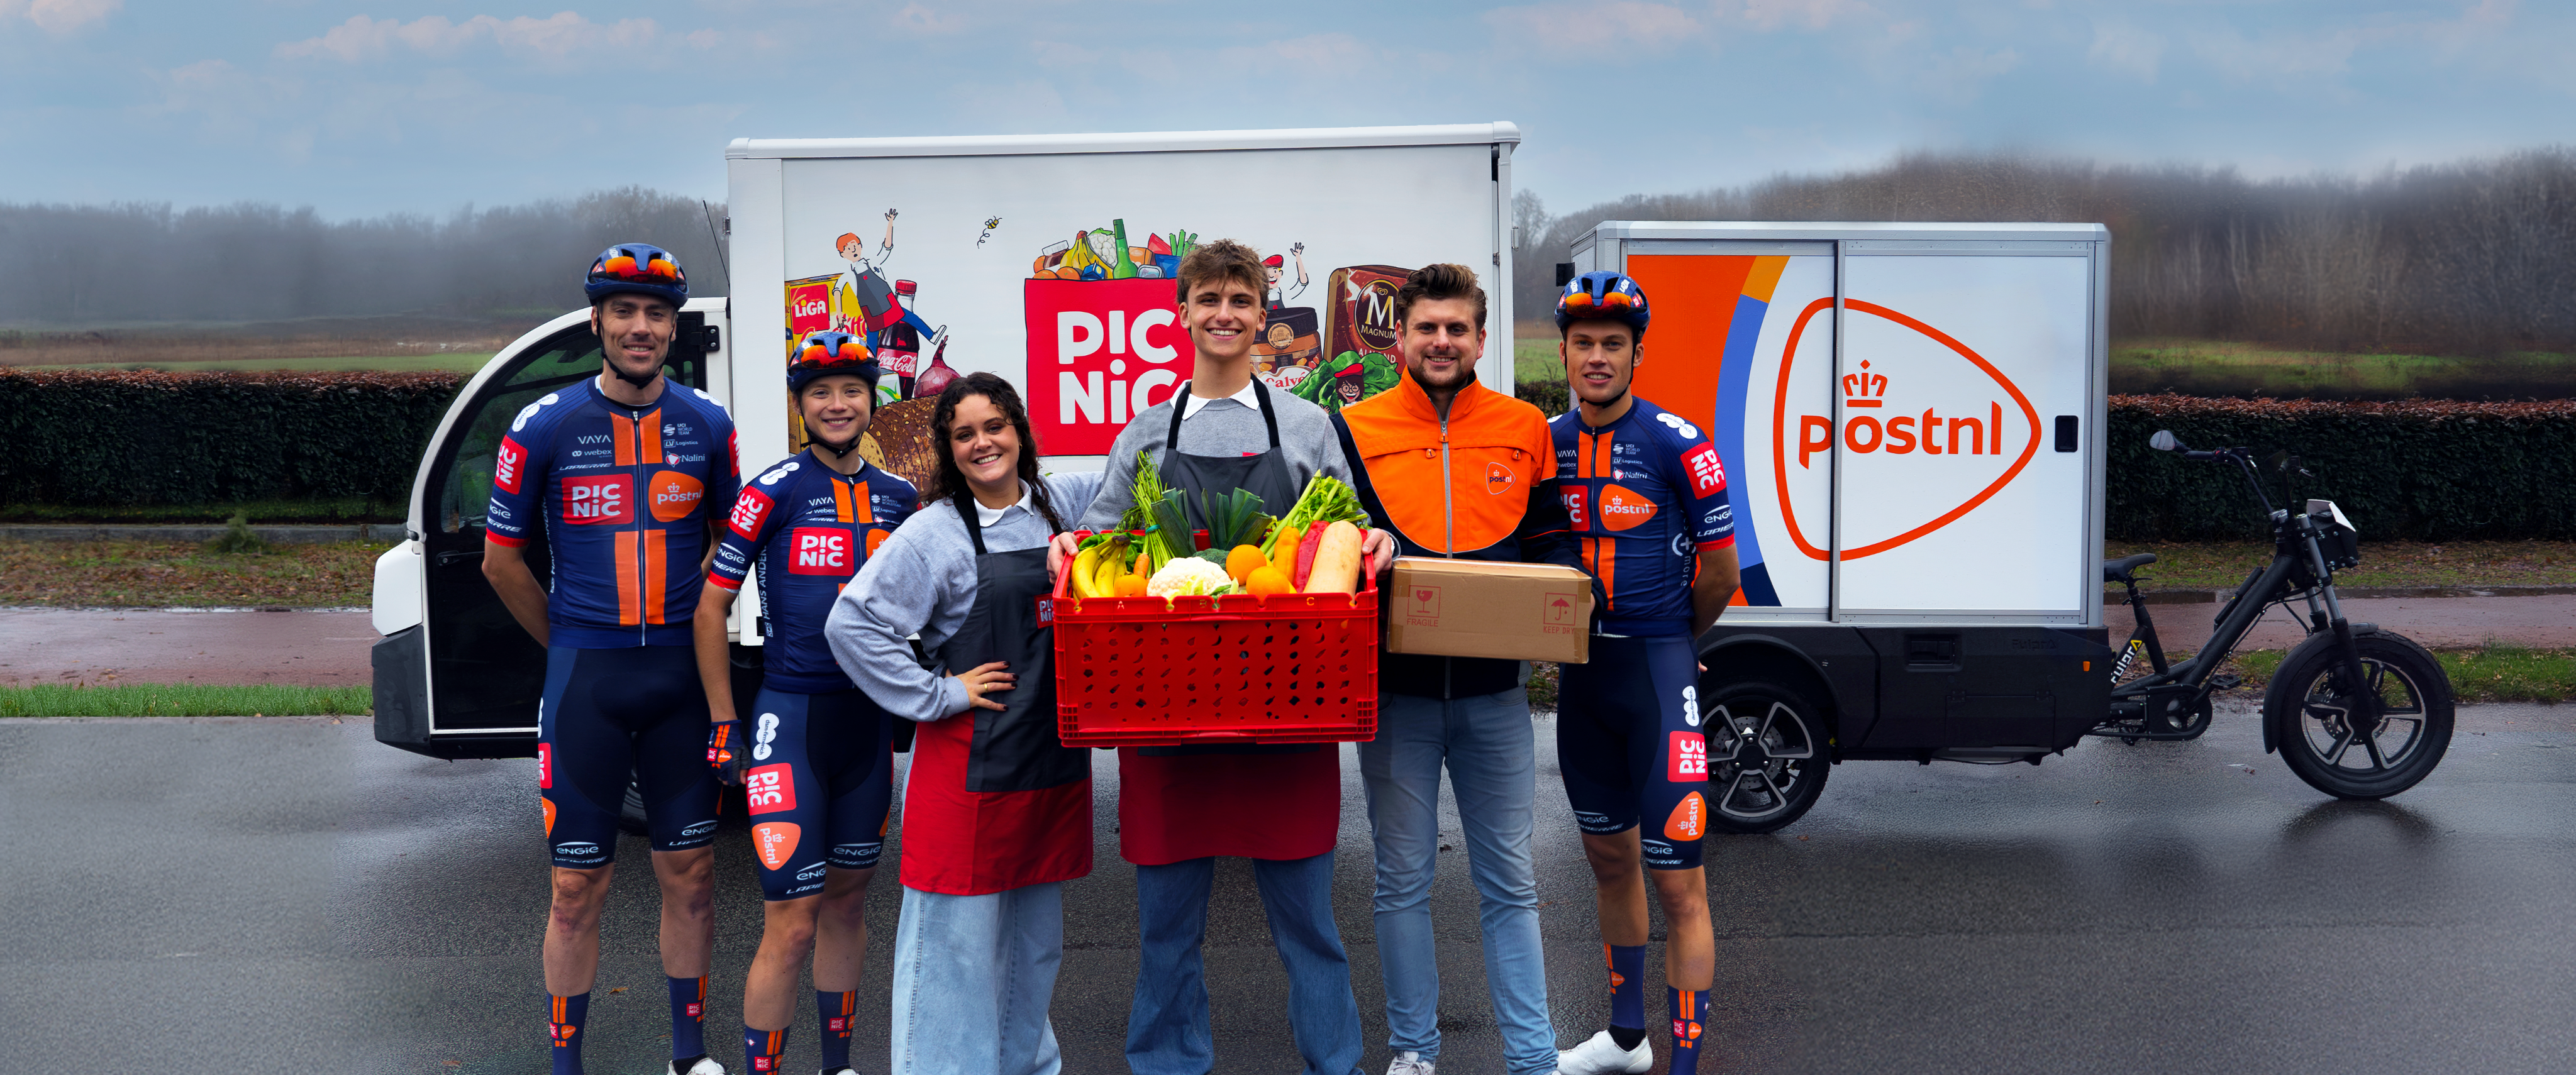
638 267
828 354
1603 296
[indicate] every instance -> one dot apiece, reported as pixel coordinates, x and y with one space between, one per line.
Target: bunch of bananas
1112 566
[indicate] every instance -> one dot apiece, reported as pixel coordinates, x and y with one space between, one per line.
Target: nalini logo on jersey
507 464
819 551
599 499
747 510
1623 508
675 495
769 789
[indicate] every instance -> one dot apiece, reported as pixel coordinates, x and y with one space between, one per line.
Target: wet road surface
288 895
315 648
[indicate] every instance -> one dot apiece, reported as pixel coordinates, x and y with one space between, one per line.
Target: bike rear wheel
2316 721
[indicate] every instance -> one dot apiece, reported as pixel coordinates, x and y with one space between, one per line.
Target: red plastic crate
1286 668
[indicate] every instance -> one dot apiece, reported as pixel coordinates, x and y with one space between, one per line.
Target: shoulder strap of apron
965 503
1180 402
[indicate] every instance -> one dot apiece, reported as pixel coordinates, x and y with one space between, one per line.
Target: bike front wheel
2327 733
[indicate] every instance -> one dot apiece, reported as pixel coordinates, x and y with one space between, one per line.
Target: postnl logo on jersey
814 550
1624 509
1689 819
507 464
774 842
599 499
769 789
1499 479
675 495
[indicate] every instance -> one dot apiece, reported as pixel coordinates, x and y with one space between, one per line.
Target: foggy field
448 362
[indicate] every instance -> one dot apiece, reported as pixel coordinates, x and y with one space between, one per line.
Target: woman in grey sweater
997 811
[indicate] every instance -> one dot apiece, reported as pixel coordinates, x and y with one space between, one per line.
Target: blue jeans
972 978
1167 1028
1487 744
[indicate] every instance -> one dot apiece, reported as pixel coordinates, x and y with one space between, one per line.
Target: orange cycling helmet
638 267
826 354
1603 296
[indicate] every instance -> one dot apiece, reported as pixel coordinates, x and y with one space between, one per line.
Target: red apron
996 801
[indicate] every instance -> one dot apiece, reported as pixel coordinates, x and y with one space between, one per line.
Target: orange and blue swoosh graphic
1699 297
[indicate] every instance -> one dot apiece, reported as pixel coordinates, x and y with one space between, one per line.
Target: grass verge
184 700
2219 368
449 362
2221 565
163 574
347 510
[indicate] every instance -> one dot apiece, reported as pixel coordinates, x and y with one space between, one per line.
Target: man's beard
614 367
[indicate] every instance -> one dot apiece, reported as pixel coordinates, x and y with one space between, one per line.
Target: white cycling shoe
1408 1063
706 1065
1602 1056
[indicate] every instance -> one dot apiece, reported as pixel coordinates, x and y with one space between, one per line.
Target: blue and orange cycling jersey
1645 495
809 529
622 495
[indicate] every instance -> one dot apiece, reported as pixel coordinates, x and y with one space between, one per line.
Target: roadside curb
284 535
2204 597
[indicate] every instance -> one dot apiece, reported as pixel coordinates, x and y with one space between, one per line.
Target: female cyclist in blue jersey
814 755
1646 499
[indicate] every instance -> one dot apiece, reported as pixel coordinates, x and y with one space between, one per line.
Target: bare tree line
2462 258
79 265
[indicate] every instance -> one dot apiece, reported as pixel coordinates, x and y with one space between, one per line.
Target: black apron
1266 475
1016 749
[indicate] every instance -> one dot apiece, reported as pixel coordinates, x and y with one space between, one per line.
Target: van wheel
1767 755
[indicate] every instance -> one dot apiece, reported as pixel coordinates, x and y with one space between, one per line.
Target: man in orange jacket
1455 469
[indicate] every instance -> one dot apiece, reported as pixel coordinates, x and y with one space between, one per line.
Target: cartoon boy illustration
1272 269
1348 378
862 301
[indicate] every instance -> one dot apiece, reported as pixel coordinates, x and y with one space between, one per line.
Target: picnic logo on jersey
599 499
747 511
1689 754
769 789
815 550
507 465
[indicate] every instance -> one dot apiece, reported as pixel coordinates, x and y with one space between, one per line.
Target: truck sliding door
485 673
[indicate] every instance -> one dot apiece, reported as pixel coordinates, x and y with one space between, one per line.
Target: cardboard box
1472 608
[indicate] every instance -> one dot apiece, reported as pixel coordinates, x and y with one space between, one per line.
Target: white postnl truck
1911 418
1046 259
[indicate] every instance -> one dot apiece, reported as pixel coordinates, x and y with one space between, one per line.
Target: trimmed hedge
2425 470
80 437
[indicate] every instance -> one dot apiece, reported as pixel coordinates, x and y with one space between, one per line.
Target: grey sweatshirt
923 579
1222 428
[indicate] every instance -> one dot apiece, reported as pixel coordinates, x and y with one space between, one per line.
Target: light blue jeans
1488 746
972 978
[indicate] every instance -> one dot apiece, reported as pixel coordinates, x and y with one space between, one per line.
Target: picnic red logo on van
1879 418
1624 509
815 550
1099 352
675 495
599 499
507 464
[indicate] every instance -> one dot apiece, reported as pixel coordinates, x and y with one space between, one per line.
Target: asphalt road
287 895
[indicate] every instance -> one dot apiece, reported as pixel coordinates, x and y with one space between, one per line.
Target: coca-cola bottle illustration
937 375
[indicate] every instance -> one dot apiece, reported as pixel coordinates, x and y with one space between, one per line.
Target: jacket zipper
1448 537
643 563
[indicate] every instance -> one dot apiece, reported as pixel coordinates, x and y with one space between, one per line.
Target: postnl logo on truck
1100 351
1950 428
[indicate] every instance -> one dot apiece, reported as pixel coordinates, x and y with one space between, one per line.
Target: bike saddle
2118 570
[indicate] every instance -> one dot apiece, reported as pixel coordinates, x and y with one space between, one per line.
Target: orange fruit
1266 580
1131 585
1241 561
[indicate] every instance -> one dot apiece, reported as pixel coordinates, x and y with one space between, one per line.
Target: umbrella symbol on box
1560 609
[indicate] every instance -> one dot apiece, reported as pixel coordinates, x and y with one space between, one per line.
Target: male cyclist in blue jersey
815 755
622 477
1646 499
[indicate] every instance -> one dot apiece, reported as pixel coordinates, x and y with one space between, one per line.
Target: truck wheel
1766 755
2342 753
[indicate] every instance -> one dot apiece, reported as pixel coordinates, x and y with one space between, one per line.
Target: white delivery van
1911 418
1045 259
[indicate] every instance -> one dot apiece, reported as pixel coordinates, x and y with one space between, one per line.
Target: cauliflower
1189 576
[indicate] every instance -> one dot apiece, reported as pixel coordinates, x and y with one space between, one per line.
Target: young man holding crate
1180 808
1455 469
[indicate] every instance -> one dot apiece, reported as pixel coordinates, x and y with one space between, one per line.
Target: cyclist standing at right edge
1646 498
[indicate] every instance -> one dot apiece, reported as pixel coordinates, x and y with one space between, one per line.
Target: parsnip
1337 561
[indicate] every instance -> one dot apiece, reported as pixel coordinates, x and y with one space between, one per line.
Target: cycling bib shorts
611 712
1629 740
821 779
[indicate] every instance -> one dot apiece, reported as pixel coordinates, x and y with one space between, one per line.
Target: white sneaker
1408 1063
706 1065
1602 1056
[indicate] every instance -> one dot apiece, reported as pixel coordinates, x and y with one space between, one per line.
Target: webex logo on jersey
598 499
1929 427
1100 351
814 550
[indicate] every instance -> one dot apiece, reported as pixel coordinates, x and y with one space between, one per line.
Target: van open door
455 676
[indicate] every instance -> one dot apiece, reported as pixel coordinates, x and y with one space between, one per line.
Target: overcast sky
421 106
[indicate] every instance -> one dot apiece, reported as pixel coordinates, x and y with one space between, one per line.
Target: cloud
59 16
1812 14
1616 25
1309 56
1960 75
554 37
922 19
2127 49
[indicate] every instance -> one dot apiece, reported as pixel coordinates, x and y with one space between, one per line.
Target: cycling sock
564 1016
1627 993
1690 1019
688 1017
762 1050
836 1009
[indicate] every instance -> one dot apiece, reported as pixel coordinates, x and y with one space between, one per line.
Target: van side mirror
2164 441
